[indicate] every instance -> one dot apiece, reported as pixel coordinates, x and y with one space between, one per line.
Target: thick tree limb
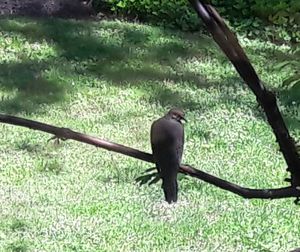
229 44
65 133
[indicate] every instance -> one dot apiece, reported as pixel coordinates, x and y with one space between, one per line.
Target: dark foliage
38 8
277 19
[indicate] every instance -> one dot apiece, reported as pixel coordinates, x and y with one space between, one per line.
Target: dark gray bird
167 140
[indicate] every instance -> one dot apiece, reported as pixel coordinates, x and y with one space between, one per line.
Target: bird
167 140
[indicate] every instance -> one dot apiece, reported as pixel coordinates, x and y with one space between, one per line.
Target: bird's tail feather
171 190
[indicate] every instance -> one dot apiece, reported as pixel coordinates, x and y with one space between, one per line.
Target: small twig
56 139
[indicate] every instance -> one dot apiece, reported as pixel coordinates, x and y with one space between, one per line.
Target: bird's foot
151 178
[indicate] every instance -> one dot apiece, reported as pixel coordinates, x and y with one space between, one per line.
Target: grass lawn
111 79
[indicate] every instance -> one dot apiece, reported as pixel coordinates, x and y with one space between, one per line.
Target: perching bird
167 140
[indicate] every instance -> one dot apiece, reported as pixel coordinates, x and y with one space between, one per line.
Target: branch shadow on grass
120 53
132 57
25 89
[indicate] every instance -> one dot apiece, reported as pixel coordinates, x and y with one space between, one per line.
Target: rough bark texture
42 8
229 44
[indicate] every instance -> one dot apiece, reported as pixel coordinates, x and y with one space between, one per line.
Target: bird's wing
154 138
179 142
167 139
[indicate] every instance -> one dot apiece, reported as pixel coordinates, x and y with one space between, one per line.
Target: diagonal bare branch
229 44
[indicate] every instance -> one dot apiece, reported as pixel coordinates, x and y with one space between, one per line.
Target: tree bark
65 133
229 44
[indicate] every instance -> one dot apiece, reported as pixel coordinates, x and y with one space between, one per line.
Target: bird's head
177 114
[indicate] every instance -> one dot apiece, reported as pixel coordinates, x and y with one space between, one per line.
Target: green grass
112 79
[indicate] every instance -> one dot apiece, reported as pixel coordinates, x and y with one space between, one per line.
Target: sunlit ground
111 80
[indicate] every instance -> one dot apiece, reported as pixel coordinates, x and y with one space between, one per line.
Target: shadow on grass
131 56
289 95
27 88
117 52
290 99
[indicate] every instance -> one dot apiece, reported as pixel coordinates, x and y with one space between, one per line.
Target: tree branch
229 44
66 133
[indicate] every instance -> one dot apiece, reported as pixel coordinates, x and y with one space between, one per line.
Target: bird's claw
155 180
150 169
151 178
